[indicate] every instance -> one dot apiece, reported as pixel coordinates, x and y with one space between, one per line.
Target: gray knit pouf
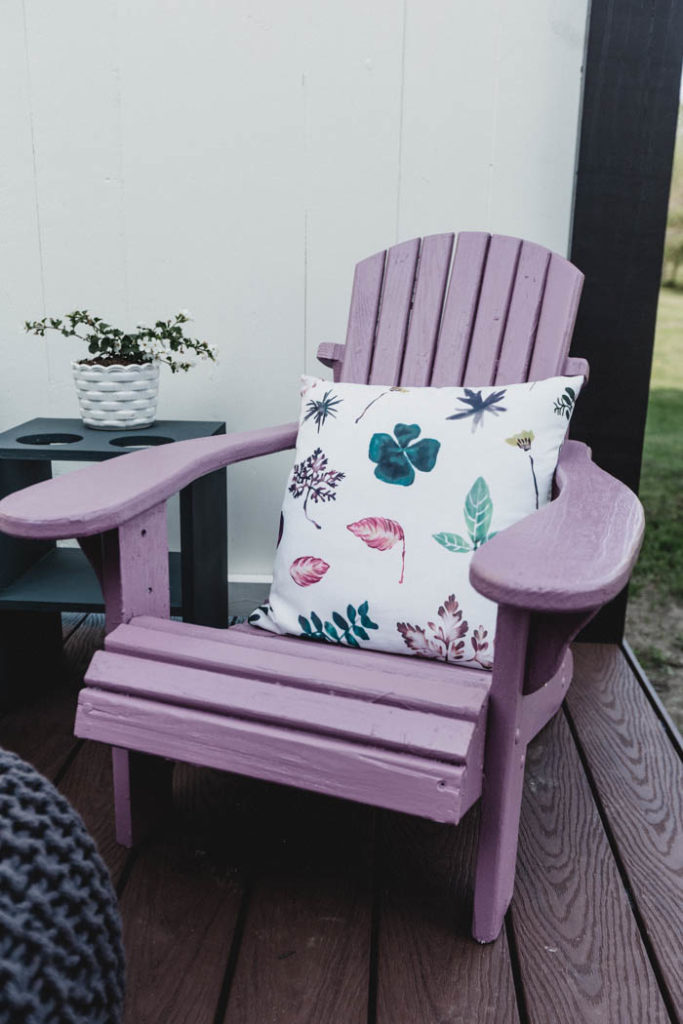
61 958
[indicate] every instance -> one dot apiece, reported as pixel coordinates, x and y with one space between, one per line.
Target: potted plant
118 385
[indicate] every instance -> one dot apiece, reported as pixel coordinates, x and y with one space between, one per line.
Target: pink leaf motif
416 640
446 641
307 570
381 534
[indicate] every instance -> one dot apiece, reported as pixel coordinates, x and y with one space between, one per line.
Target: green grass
661 492
661 488
667 363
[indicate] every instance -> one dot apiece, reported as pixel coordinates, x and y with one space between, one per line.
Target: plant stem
317 525
533 473
359 418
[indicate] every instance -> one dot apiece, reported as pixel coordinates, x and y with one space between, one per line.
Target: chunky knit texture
61 958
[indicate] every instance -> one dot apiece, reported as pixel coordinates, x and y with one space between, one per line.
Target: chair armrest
330 353
105 496
574 554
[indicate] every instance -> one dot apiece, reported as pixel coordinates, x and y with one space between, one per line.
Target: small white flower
186 313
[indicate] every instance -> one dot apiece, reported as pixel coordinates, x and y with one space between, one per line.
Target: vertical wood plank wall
238 159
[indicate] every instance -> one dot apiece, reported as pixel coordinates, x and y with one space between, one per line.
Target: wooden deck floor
262 904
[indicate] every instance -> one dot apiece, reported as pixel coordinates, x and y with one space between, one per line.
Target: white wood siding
238 158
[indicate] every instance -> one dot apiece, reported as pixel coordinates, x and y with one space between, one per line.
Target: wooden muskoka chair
361 725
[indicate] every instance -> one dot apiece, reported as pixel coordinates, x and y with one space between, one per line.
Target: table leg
30 642
204 550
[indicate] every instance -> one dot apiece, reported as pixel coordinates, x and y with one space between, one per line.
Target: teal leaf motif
478 512
339 631
396 456
452 542
262 611
564 405
405 433
340 620
423 454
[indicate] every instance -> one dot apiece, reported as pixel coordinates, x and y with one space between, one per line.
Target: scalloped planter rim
117 397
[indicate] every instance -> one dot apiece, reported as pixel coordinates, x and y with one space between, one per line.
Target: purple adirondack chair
308 715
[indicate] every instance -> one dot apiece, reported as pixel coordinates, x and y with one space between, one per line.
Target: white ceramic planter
117 397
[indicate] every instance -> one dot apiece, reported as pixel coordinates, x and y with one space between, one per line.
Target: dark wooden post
628 131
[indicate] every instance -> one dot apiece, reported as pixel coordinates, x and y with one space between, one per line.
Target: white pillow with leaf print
391 492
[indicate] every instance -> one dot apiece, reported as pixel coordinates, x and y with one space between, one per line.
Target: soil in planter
113 361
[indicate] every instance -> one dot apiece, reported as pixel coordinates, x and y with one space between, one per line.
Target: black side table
38 580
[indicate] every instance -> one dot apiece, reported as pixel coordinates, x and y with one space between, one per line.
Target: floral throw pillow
392 491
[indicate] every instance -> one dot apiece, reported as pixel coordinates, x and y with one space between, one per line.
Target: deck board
639 783
181 906
581 954
305 951
429 968
260 903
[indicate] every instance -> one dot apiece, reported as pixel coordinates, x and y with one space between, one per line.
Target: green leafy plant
341 630
478 512
396 456
564 406
165 342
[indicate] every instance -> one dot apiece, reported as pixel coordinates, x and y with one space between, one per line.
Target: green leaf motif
564 405
339 631
405 433
317 622
423 454
478 512
452 542
397 457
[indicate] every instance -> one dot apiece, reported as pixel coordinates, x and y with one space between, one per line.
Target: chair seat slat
429 735
448 692
324 764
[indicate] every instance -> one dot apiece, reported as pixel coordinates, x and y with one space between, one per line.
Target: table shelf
64 580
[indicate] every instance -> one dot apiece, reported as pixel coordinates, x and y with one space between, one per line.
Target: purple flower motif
312 478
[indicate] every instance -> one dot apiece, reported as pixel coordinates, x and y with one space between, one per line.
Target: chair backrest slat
525 309
423 331
360 334
494 301
556 322
460 309
508 313
394 310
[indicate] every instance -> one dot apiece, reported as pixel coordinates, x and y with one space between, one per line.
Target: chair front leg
504 760
132 566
